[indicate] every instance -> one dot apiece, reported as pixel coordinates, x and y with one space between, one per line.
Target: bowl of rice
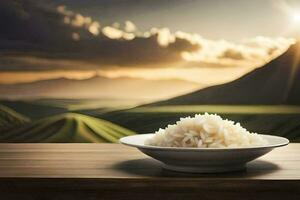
205 143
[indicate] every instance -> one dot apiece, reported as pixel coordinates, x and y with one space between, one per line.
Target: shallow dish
203 160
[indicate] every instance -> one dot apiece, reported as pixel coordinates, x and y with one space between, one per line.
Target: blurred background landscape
95 71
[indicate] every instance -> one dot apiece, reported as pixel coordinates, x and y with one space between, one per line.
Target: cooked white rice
205 131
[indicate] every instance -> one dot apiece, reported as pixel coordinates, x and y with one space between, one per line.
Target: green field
33 110
274 120
9 118
87 104
224 109
49 123
69 127
38 108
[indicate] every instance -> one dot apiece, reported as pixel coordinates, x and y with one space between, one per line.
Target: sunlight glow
293 71
292 14
296 18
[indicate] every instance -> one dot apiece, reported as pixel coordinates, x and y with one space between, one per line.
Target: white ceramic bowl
203 160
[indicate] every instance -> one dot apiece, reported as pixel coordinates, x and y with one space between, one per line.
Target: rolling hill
66 128
9 118
277 82
32 109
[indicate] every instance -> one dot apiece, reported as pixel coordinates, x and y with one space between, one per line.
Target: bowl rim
121 141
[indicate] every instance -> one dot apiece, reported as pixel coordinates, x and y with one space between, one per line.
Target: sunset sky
208 42
233 20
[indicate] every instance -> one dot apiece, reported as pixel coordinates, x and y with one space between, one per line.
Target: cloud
130 26
38 38
254 51
233 54
164 36
30 63
114 33
61 34
94 28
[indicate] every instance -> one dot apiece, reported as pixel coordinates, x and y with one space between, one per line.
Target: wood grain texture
113 171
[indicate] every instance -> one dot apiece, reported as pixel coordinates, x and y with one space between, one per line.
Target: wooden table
113 171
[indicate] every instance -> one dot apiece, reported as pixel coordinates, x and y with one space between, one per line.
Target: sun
296 18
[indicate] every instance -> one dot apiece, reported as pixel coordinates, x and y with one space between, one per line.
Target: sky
208 42
232 20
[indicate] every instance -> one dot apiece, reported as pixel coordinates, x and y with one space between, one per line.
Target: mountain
98 87
68 127
9 118
277 82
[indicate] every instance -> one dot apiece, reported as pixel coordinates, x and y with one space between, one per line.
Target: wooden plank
114 171
114 160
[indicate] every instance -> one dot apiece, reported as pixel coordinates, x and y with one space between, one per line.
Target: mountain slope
66 128
9 118
98 87
278 82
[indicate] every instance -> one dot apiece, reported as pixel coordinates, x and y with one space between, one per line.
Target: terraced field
68 127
